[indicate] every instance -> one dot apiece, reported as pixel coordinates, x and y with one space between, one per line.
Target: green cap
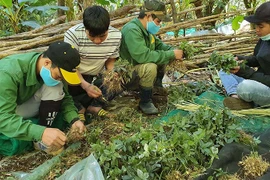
158 8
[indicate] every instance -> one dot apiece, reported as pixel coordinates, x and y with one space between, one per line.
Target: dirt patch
24 163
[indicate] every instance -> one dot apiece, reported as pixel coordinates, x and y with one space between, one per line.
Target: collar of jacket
32 76
139 24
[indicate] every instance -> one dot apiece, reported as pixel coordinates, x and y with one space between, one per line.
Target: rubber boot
146 104
160 75
48 111
158 87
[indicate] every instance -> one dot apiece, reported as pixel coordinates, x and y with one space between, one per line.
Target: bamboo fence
39 39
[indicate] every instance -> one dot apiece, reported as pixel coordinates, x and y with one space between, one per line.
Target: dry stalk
74 136
253 166
230 177
112 82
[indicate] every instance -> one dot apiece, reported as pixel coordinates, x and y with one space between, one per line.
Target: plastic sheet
87 169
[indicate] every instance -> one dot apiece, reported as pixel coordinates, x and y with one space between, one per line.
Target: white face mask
266 37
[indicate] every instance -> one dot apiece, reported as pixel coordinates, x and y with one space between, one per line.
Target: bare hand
53 137
178 54
79 127
235 70
76 132
239 61
93 91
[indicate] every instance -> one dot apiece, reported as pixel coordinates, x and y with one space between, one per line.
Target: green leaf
25 1
45 8
41 3
32 24
6 3
141 174
103 2
236 22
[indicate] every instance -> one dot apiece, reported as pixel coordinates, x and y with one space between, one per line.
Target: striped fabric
93 57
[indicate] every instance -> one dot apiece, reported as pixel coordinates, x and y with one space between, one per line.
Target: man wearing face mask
146 52
245 85
33 86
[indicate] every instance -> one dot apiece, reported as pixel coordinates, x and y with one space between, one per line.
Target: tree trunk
174 11
250 4
209 10
87 3
198 12
61 12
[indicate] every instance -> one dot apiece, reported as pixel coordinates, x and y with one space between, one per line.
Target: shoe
39 145
236 103
146 104
148 108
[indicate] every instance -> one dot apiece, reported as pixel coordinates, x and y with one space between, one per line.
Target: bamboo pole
200 21
31 45
191 10
249 35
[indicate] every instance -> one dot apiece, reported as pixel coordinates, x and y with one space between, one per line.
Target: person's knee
150 70
245 90
148 74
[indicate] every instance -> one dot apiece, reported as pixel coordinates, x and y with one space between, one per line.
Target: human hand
178 54
79 127
235 70
54 138
93 91
76 132
116 75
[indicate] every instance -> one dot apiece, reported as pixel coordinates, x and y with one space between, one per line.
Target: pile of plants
226 62
120 75
189 91
183 145
188 49
253 166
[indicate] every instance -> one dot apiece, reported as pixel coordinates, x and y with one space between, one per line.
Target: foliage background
23 15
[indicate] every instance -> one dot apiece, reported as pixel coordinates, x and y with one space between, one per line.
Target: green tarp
251 124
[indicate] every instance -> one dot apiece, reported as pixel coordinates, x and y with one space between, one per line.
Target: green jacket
19 83
139 47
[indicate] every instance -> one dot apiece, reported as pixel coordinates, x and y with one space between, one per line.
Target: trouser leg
160 74
230 82
254 91
147 74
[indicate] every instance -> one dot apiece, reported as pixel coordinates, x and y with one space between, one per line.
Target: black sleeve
249 73
252 60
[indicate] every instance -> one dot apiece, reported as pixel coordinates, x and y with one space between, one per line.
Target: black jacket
260 59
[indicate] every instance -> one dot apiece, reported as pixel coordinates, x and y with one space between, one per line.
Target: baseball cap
262 14
158 8
67 58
